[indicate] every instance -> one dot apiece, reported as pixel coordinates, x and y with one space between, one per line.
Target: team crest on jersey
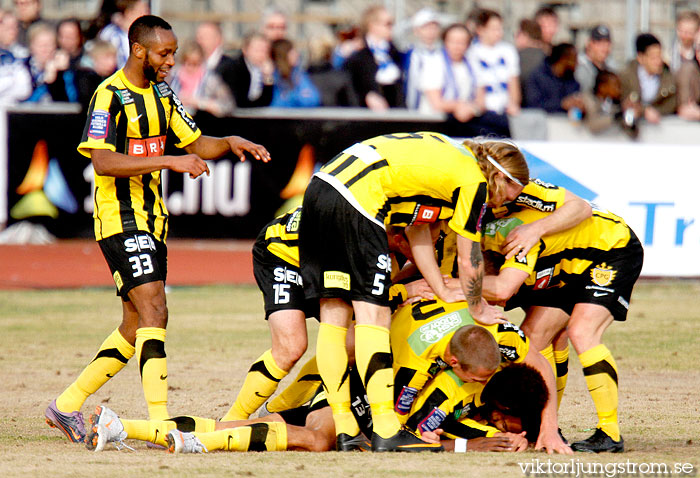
425 214
99 124
603 275
125 97
543 278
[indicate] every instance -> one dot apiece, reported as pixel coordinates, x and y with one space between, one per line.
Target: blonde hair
505 153
369 15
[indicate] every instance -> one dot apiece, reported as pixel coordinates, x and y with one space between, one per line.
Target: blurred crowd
467 70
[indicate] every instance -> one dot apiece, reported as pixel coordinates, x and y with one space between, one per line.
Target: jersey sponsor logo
180 108
336 280
99 124
293 222
118 280
438 365
163 89
544 184
502 226
603 275
125 97
432 421
425 214
406 397
437 329
510 327
384 262
146 147
543 278
139 243
522 261
463 412
282 274
534 202
508 352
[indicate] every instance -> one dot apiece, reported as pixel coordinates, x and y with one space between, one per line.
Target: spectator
471 20
375 69
116 32
292 86
334 85
103 58
688 86
253 73
683 49
528 42
43 64
9 36
349 41
602 103
274 25
426 29
552 86
15 82
495 64
211 40
197 87
447 82
647 82
594 59
69 36
28 12
548 20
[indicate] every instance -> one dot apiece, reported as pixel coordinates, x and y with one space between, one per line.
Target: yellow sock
150 352
561 359
298 392
156 430
267 436
548 353
600 372
261 382
114 353
332 360
374 363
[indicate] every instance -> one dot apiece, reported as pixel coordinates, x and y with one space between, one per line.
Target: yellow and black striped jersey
420 334
411 178
282 236
570 252
137 122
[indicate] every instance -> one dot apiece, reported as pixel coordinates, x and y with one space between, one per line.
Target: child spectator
603 106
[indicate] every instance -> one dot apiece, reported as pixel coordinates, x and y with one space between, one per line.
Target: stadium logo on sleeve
99 124
603 274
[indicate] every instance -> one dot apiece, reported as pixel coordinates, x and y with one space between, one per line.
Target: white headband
504 171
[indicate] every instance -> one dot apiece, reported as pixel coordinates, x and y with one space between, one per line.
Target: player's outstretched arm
524 237
209 147
502 287
470 263
118 165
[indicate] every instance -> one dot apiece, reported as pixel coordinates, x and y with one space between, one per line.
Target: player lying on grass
276 269
580 280
431 335
505 415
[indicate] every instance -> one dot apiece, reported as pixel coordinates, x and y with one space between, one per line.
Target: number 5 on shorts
378 284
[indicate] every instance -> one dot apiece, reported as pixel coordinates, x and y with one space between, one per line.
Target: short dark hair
644 41
143 27
531 28
485 15
602 77
546 12
520 391
559 50
455 26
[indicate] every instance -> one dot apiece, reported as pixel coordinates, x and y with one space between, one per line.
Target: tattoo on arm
474 288
475 256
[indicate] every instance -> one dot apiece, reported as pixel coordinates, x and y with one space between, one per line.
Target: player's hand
501 442
189 163
517 440
488 315
452 294
431 437
520 240
551 442
419 289
240 145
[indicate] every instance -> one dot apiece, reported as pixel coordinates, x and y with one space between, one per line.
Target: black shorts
134 258
343 254
280 282
608 281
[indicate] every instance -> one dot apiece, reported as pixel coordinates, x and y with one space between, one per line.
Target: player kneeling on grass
311 427
581 280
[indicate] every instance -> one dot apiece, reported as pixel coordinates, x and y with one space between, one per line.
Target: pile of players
402 246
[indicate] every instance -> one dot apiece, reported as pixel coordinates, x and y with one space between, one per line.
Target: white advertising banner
655 188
